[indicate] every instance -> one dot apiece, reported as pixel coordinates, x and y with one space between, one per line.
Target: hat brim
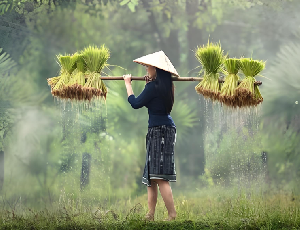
158 60
145 64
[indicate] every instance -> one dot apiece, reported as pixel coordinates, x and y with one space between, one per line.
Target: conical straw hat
158 59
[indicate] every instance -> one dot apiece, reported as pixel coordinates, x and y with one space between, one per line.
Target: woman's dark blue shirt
156 109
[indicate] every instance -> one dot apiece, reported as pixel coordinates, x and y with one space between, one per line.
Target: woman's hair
165 87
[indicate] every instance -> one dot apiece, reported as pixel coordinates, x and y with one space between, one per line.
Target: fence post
1 169
85 170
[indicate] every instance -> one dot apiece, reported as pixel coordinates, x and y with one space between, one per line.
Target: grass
208 209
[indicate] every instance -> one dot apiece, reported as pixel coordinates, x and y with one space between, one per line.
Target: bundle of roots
78 92
209 87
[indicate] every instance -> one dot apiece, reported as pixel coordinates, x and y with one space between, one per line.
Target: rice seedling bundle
80 75
95 59
67 63
52 81
80 64
71 89
74 88
67 66
228 95
94 86
247 91
211 57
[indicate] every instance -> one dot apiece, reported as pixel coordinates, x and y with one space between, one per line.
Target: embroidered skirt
160 162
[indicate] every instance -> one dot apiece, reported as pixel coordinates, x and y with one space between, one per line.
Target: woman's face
151 71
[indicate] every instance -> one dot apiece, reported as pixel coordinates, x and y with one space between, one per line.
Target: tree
281 114
6 64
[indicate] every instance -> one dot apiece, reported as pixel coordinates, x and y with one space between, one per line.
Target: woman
158 97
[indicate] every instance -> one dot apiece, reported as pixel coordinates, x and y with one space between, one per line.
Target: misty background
52 150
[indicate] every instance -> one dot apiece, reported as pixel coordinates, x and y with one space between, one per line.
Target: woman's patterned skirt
160 163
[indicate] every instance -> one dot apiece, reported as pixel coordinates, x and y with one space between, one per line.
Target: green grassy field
213 209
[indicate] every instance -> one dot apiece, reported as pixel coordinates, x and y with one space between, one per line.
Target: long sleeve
146 95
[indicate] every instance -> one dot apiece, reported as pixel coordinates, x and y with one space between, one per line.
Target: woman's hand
148 79
127 79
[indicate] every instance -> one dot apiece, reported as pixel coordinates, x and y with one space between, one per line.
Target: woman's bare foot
149 217
171 217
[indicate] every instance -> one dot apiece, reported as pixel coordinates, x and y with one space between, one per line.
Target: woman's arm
129 89
142 99
127 79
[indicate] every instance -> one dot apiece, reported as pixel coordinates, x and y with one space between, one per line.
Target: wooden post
85 170
1 169
264 158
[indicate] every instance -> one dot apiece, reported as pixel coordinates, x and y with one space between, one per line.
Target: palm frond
6 63
283 92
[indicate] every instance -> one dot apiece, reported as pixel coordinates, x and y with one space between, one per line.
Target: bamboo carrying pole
173 78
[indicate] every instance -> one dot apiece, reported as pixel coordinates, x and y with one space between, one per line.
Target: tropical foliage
45 141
